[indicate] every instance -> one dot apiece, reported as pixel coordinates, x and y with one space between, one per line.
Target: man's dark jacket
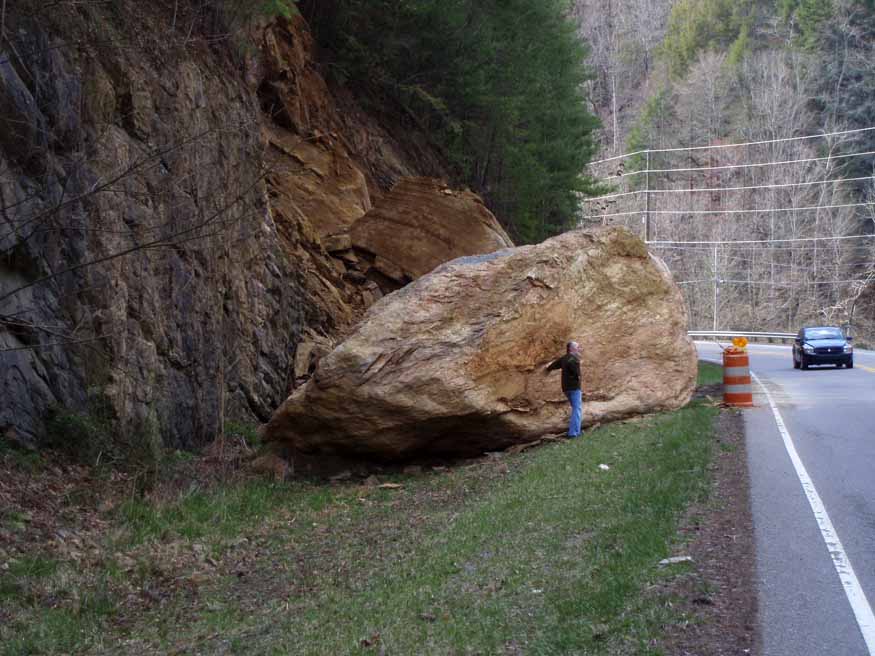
570 365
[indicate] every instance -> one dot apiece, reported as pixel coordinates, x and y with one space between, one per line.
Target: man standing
570 365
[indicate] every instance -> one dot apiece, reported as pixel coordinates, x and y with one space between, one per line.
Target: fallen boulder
421 224
454 363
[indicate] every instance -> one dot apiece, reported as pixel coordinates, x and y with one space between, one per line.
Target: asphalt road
829 415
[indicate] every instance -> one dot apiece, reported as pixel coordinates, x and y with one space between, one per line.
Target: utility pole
616 126
647 198
716 287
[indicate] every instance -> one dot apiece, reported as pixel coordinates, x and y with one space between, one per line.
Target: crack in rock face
454 363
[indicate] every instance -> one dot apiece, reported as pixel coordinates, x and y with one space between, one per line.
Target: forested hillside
691 73
498 86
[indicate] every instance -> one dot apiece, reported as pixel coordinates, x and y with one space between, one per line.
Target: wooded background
692 73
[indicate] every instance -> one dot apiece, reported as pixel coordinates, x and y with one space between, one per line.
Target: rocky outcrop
420 224
454 362
318 174
141 266
328 162
166 219
296 96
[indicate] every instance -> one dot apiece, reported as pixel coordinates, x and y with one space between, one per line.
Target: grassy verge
550 561
709 373
546 552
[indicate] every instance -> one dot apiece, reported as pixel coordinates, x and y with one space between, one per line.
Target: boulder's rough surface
420 224
453 364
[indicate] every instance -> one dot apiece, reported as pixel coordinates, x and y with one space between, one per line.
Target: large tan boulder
420 224
454 362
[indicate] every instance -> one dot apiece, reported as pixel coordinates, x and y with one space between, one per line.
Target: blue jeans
576 401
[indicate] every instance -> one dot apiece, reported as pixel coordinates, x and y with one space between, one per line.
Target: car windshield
823 333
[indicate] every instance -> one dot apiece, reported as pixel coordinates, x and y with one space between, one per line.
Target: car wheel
795 362
803 362
850 363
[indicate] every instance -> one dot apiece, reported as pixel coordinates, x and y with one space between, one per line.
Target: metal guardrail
752 336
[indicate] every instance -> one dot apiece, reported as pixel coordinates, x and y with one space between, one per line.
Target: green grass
18 573
32 567
540 553
552 560
64 629
59 630
709 373
54 631
199 514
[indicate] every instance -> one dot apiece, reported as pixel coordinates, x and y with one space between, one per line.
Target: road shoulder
718 597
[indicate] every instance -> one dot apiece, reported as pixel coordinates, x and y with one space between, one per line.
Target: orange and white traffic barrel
736 378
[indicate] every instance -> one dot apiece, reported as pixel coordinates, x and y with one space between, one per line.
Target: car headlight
807 348
849 348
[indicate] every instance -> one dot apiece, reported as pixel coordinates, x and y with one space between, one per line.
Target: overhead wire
763 248
684 149
764 241
792 246
734 261
722 189
769 210
726 167
799 283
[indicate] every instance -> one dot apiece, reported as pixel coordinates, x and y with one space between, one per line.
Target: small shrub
13 582
28 461
142 453
95 437
285 8
82 436
246 431
97 603
234 14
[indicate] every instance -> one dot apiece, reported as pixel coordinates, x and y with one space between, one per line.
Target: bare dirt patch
718 598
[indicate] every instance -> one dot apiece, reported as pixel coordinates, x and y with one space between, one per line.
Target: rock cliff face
162 214
453 364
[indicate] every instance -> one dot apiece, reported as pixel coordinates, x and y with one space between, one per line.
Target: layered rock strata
420 224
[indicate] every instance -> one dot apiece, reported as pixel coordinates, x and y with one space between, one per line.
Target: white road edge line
850 583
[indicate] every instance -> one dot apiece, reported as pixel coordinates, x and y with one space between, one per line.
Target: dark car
822 345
